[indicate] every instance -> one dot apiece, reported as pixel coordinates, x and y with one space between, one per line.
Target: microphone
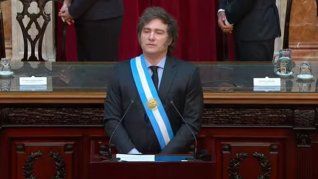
188 126
115 129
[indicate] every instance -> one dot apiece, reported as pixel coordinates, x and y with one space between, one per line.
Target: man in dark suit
173 85
255 24
97 24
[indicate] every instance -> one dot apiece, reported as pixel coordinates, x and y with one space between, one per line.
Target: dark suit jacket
253 19
180 83
95 9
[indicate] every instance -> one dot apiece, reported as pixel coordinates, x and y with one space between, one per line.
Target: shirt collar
161 64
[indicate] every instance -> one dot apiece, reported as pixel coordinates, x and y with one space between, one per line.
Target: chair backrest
287 20
2 44
39 20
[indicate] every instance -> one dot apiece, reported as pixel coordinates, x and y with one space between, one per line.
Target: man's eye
146 30
160 32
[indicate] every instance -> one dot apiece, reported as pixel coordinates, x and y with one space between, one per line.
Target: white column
48 47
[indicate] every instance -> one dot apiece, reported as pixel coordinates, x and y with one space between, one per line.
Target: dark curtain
197 23
199 36
128 45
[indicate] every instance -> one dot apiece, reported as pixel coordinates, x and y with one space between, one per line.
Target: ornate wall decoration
29 163
304 118
265 165
303 138
234 165
247 116
59 165
58 160
40 116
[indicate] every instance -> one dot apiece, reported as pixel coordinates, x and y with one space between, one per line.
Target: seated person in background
147 92
255 24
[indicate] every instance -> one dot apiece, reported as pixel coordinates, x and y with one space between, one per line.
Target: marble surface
304 29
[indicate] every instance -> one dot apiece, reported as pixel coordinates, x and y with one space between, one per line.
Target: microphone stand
191 131
109 155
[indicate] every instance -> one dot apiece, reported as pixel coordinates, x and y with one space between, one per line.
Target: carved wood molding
304 138
29 163
260 115
59 165
265 165
246 116
213 116
28 169
20 148
105 151
304 118
40 116
234 165
235 162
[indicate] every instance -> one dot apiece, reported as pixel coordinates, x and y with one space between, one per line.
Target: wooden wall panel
99 150
43 159
250 159
315 155
250 152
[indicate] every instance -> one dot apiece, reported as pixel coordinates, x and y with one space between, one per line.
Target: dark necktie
154 76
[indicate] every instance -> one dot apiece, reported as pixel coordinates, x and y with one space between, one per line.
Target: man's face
154 38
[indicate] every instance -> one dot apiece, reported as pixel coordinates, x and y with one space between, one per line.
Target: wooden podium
59 132
153 170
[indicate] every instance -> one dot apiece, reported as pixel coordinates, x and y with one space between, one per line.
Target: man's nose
152 36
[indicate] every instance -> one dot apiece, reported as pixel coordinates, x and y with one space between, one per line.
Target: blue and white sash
151 101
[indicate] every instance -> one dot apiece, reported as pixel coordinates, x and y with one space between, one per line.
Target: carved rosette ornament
265 165
303 139
234 166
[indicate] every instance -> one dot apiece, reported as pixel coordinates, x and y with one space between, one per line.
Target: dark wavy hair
152 13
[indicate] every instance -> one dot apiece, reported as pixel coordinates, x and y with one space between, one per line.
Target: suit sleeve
222 4
192 115
114 110
78 7
237 9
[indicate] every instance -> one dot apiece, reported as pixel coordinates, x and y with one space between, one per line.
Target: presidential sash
151 101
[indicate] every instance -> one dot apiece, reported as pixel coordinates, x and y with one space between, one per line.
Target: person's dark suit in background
255 24
97 24
179 84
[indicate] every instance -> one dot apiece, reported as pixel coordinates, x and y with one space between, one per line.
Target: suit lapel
168 77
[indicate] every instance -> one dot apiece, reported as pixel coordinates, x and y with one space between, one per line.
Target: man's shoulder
122 65
121 68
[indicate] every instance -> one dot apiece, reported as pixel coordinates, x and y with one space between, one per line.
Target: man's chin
151 52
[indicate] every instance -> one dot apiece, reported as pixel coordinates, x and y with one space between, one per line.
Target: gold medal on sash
152 104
